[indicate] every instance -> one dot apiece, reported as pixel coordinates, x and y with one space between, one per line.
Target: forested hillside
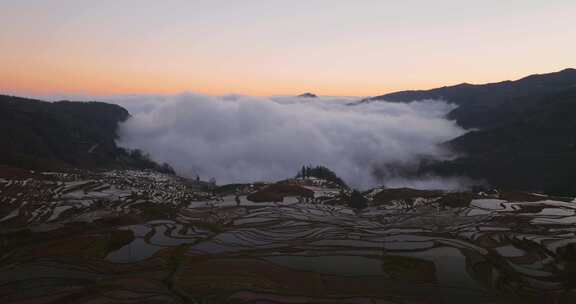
536 151
44 135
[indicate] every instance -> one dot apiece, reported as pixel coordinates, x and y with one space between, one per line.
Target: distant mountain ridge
308 95
489 105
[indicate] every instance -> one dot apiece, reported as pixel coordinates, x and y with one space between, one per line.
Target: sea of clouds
245 139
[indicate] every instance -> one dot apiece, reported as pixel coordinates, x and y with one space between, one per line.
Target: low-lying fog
244 139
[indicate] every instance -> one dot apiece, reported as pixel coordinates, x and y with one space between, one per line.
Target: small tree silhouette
357 200
321 172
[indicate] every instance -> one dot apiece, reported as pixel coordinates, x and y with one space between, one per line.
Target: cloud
244 139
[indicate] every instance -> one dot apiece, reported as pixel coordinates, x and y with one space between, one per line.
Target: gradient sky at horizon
269 47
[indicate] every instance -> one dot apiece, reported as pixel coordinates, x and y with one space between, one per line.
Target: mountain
534 151
308 95
49 135
524 132
493 104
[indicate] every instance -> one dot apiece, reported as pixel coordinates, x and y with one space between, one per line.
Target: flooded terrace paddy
142 237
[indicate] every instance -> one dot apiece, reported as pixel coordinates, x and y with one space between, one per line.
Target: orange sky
257 47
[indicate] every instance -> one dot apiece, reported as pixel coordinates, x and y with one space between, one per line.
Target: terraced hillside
145 237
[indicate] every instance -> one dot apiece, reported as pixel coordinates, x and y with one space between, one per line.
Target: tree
321 172
357 200
166 168
302 172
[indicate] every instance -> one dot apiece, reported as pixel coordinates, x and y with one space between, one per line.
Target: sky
271 47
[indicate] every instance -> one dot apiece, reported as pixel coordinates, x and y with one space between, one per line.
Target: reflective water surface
137 237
